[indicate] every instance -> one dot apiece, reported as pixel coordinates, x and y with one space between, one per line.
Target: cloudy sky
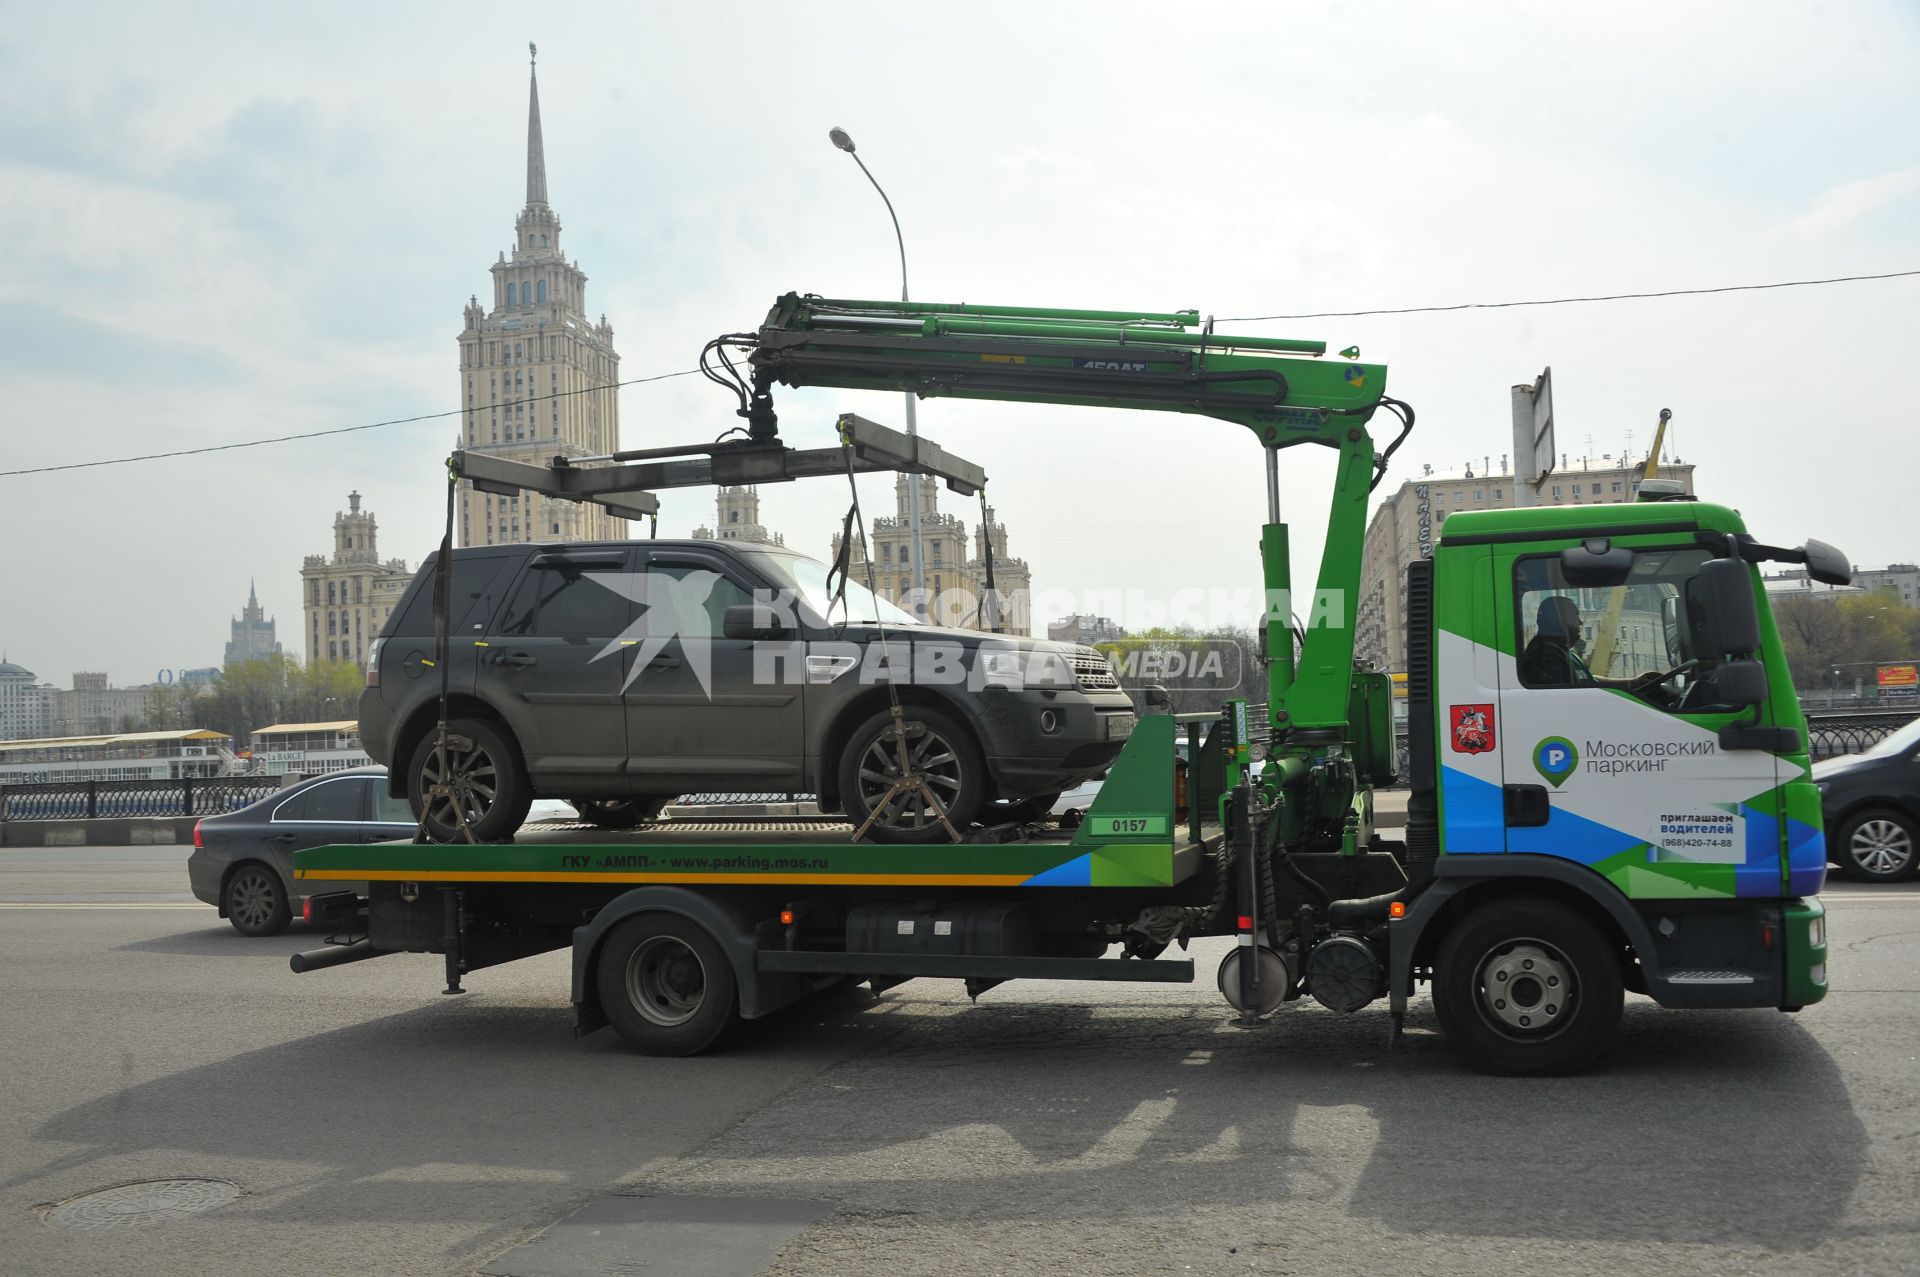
224 222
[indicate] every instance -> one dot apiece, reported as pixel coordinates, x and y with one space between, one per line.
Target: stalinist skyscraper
536 375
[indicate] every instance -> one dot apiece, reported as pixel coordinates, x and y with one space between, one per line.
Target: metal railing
1832 735
94 799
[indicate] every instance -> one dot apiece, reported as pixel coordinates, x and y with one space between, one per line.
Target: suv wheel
490 787
1876 845
939 749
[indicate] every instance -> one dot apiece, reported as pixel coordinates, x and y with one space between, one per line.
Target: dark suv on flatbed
617 675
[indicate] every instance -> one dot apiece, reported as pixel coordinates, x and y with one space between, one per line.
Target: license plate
1119 726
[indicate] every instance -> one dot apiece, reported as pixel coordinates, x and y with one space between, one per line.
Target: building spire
536 151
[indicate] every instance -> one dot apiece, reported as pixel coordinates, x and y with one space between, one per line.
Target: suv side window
693 591
560 597
473 576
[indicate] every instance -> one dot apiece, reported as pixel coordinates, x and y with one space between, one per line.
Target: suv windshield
807 578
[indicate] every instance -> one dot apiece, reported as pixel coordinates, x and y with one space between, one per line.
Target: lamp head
839 137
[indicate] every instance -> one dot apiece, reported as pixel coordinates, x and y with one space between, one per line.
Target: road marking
1864 898
100 904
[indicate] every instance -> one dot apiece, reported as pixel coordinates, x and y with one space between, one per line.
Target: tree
249 695
1851 635
1812 632
1200 670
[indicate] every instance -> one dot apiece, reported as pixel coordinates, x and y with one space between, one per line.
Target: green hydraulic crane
1283 390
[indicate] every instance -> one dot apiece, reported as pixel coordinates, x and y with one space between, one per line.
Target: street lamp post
840 138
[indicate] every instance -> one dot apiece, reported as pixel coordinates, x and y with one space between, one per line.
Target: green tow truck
1572 834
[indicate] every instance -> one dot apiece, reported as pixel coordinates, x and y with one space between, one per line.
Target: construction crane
1603 638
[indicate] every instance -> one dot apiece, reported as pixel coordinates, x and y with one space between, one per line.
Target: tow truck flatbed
795 853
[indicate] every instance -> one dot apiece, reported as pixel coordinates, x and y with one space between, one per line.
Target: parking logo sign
1555 758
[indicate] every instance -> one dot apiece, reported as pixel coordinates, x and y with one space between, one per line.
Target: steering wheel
1675 702
1674 673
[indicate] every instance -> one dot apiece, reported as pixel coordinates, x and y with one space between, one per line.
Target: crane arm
1281 389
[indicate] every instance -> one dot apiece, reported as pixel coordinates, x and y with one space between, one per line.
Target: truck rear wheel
666 985
1528 987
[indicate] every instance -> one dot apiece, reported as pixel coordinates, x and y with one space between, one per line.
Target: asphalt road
376 1127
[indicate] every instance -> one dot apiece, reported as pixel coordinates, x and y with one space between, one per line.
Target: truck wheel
1876 845
256 901
667 986
1528 986
942 751
618 813
479 755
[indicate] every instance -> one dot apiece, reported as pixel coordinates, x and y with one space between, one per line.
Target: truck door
554 665
699 715
1622 768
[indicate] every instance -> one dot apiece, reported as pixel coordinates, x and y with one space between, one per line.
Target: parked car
242 861
1871 804
619 674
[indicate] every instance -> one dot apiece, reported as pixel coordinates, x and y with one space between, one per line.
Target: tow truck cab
1607 714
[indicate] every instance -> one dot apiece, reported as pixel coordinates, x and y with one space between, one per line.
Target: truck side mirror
753 621
1595 564
1741 684
1727 619
1826 564
1671 630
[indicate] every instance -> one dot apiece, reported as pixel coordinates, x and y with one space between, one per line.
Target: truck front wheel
1528 986
666 985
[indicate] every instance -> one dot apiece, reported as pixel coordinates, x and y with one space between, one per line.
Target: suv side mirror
1727 620
1741 684
753 621
1595 564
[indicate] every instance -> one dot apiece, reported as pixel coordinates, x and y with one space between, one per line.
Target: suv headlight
1026 668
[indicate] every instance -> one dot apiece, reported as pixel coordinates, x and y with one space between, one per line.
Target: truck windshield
807 578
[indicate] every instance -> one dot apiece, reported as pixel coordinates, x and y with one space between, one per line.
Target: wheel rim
471 774
1525 989
252 899
930 754
1881 846
666 981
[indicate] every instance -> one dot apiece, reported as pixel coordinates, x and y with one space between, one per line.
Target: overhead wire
1568 301
735 382
337 430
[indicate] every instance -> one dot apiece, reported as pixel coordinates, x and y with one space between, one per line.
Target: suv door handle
518 660
280 838
664 663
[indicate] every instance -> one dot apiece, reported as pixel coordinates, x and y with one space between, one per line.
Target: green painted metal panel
1139 787
1145 865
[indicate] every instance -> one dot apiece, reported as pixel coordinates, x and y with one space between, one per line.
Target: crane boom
1283 390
